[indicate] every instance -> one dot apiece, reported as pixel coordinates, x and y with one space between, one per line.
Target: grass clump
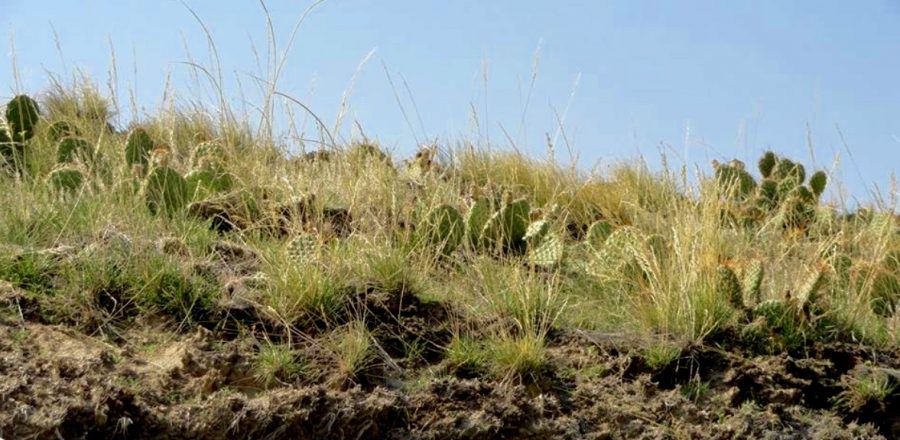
277 364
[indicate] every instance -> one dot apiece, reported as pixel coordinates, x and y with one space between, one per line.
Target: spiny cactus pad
61 129
479 213
22 114
536 231
165 191
138 147
767 164
506 228
70 148
735 181
728 285
211 179
548 252
303 249
752 281
817 182
597 234
210 151
66 179
809 292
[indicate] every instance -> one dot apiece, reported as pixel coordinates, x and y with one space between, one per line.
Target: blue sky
700 80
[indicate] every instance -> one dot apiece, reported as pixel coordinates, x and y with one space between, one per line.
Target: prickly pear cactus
800 207
208 180
165 191
547 252
303 249
817 183
597 234
506 228
767 196
787 169
767 164
752 282
477 217
207 152
808 293
22 114
536 231
729 286
735 182
66 179
444 228
138 147
71 148
61 129
617 252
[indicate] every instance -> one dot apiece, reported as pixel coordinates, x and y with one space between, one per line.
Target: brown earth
56 382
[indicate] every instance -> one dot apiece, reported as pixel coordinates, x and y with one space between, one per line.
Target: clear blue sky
710 79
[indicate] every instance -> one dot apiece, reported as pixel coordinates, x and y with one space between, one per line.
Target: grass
655 277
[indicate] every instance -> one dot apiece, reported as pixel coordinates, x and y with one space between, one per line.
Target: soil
155 382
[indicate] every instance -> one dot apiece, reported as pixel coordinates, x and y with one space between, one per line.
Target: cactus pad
443 227
597 234
817 182
767 164
728 285
22 114
303 249
66 179
165 191
70 148
138 147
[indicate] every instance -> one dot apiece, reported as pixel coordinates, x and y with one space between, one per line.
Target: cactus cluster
774 324
164 189
782 190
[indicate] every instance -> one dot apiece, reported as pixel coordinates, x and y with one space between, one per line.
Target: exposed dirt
58 383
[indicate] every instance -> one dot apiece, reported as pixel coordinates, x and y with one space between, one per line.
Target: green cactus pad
210 151
506 228
536 231
728 285
767 195
598 233
817 182
478 215
767 164
752 281
808 293
800 207
61 129
138 147
303 249
165 191
735 181
443 227
70 148
548 252
66 179
22 114
787 169
211 179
